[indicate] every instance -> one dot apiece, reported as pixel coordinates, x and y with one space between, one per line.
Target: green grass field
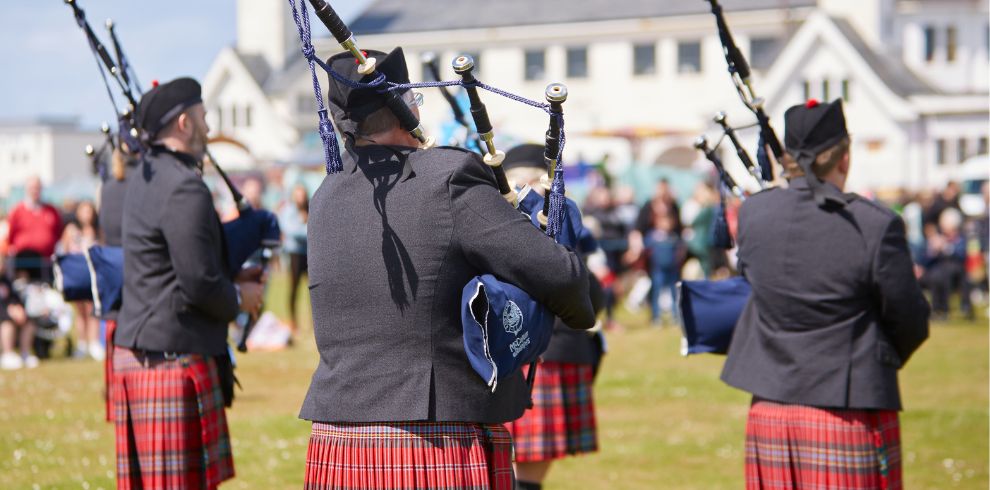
665 421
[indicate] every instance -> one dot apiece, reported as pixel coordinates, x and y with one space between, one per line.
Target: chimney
266 28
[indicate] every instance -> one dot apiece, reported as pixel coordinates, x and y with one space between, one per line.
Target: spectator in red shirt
35 228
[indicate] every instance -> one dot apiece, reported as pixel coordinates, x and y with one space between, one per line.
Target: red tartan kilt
797 446
409 455
562 419
111 325
171 430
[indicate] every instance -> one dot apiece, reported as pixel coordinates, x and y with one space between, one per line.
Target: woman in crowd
292 220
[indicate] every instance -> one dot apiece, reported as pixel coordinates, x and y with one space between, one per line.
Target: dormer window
951 40
929 43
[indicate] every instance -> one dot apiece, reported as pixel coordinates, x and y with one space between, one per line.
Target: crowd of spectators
646 249
33 315
649 248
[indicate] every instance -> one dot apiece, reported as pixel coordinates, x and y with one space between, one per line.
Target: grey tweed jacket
835 309
393 239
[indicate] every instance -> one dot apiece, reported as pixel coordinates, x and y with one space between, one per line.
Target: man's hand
252 294
251 274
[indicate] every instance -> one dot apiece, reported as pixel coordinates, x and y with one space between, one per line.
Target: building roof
256 65
391 16
898 77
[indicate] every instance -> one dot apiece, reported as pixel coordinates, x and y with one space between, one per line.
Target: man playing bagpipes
172 374
835 312
394 237
561 421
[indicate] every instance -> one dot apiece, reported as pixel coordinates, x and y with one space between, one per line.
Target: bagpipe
97 274
710 309
504 328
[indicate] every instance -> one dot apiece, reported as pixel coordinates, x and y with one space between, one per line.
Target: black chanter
234 193
702 144
393 100
721 119
741 78
556 94
464 65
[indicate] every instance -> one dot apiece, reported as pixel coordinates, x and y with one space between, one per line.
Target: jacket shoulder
453 161
870 209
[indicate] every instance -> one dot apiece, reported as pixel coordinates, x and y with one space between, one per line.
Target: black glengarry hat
528 155
810 129
355 104
163 103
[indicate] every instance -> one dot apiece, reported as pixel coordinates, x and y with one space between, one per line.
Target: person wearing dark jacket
113 190
171 350
561 421
835 312
393 239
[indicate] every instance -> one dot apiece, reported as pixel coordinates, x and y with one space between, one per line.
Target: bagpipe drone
710 309
97 274
504 328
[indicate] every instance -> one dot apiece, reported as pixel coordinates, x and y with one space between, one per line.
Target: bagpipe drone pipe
504 328
709 310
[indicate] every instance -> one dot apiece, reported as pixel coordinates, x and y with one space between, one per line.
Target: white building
644 77
53 149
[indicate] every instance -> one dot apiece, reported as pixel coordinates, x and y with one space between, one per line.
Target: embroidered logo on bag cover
512 320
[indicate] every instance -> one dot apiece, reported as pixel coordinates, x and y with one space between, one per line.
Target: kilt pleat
808 448
561 421
409 455
171 430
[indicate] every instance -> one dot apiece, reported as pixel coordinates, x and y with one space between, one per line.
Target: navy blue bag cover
252 230
72 277
107 269
504 328
709 312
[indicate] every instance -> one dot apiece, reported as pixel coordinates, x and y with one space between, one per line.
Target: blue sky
48 69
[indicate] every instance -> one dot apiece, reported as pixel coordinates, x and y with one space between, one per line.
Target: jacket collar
832 193
185 158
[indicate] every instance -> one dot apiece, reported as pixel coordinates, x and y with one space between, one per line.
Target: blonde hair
824 162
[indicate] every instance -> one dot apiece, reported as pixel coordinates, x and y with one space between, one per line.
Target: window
825 90
951 33
845 90
806 89
644 59
219 112
233 116
983 145
940 151
961 148
577 62
247 116
689 57
762 51
929 43
535 64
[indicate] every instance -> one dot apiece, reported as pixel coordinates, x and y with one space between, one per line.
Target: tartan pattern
562 419
111 325
409 455
806 448
171 430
